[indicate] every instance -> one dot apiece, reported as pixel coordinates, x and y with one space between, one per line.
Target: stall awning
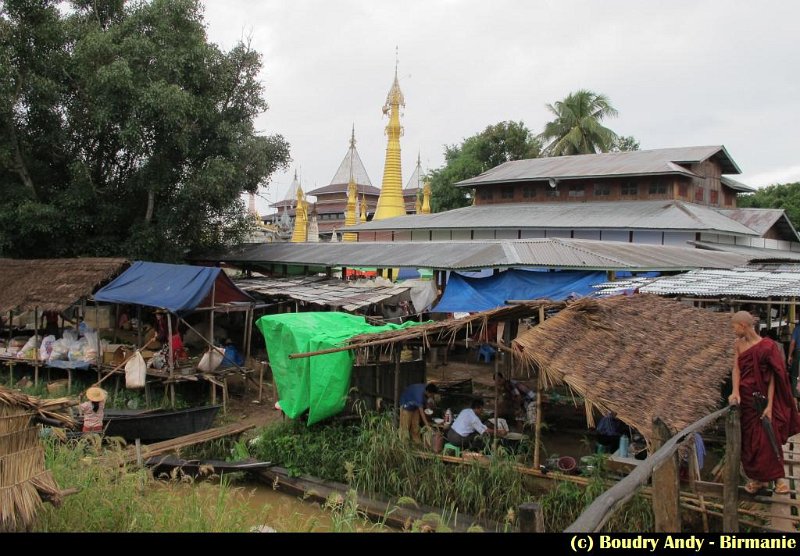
464 294
177 288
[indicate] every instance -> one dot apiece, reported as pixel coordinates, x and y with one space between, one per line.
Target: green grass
115 499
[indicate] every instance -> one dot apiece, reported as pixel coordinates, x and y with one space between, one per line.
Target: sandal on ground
753 487
782 488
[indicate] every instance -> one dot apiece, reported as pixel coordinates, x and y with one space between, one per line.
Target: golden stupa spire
352 194
300 232
426 198
363 217
390 202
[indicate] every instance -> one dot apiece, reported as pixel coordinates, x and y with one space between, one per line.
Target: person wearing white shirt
467 429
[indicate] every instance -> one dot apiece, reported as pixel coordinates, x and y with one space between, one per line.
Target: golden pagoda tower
300 232
352 195
391 203
363 217
418 205
426 198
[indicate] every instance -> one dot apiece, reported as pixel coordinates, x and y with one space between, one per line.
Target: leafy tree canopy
124 131
493 146
625 144
783 196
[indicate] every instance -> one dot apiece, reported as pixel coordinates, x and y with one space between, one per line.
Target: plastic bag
70 335
90 349
76 350
59 350
211 360
46 348
30 349
135 372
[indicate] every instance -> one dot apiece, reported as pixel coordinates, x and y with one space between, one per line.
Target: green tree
576 128
625 144
781 196
498 143
124 131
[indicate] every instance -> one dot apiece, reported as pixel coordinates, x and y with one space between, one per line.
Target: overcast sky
681 73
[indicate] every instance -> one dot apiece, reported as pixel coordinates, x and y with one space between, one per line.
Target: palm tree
577 128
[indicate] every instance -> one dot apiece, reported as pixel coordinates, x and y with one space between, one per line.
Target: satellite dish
553 182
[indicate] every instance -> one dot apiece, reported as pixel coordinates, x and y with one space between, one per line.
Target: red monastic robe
756 364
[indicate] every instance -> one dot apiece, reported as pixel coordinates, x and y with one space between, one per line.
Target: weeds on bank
113 498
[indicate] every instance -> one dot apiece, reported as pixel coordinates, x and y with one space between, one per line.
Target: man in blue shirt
412 409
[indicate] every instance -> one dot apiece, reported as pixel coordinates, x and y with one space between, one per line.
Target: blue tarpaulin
464 294
177 288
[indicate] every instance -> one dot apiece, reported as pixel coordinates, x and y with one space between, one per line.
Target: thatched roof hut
24 481
52 284
642 357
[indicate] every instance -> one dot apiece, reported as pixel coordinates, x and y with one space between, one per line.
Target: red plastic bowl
567 464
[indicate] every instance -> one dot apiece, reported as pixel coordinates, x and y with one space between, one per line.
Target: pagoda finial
363 217
353 137
391 202
300 232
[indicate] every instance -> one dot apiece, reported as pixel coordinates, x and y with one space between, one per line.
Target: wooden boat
204 467
150 425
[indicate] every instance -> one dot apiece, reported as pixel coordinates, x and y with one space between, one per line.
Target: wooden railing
663 467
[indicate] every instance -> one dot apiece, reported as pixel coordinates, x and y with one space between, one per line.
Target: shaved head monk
759 369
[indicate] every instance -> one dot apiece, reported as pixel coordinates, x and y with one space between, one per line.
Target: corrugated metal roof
318 290
740 282
761 220
633 163
451 255
342 188
737 185
752 253
625 215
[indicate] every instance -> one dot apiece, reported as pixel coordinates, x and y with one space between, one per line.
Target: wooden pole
792 315
496 395
531 518
537 441
116 321
213 295
666 506
171 361
397 388
730 489
694 476
36 352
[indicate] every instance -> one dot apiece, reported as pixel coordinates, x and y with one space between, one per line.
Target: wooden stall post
539 392
730 476
397 387
171 361
531 518
792 315
666 506
36 352
211 313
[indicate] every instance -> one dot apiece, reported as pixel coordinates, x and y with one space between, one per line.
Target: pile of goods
73 346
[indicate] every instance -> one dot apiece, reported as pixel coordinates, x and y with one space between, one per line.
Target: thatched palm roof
642 357
24 480
52 284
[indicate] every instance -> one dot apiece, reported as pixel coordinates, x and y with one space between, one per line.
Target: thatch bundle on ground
642 357
24 481
52 284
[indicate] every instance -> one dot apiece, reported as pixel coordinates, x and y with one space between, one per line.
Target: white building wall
402 236
678 239
484 234
615 235
420 235
587 234
650 238
532 234
441 235
559 233
461 235
506 234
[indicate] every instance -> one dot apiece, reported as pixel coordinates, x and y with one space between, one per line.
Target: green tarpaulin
320 383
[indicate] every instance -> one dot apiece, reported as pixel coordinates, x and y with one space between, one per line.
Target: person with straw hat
93 409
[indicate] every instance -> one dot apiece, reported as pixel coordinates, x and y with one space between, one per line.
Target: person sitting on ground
413 402
93 409
609 431
467 430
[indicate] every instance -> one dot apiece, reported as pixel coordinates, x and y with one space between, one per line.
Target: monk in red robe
758 367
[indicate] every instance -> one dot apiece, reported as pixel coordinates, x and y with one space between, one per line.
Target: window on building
630 189
728 196
699 193
683 190
658 188
714 197
576 191
529 191
486 194
552 192
602 190
507 193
